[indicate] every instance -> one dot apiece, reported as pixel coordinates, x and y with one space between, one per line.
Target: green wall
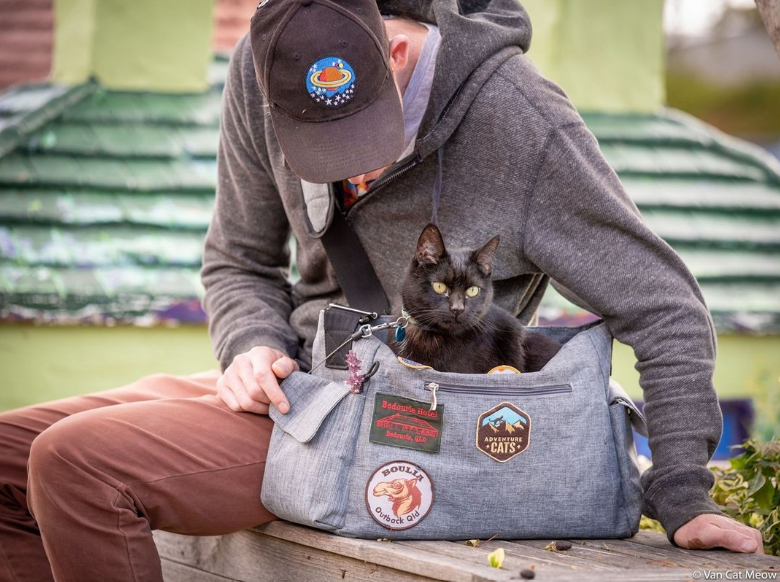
607 55
747 367
136 46
40 363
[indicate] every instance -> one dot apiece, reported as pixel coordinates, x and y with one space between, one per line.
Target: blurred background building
724 69
109 125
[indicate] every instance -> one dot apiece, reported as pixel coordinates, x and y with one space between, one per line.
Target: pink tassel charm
356 379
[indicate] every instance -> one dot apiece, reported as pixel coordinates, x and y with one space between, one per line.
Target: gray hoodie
517 161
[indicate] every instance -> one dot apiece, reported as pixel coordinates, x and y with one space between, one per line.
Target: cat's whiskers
482 326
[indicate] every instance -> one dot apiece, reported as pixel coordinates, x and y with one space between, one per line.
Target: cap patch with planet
331 82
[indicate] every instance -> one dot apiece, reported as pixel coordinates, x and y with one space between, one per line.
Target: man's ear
430 246
484 256
399 52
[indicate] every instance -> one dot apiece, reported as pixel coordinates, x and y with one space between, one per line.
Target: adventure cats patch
503 432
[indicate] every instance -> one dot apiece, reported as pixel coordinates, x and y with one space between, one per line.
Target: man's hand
711 530
251 382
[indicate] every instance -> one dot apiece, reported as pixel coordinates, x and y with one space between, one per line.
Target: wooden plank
641 556
192 550
280 551
300 563
592 552
688 558
255 557
729 559
633 575
409 557
648 549
478 555
553 571
584 553
175 572
517 548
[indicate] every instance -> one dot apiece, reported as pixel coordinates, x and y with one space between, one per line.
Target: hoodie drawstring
437 188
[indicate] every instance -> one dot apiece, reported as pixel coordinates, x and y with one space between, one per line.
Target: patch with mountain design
503 432
406 423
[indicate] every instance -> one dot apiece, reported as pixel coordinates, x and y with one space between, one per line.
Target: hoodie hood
477 36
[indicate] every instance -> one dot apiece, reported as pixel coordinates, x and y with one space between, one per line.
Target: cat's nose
457 309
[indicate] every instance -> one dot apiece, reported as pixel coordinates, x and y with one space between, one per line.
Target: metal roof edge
732 146
28 122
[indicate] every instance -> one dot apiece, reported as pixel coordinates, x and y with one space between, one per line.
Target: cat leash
364 331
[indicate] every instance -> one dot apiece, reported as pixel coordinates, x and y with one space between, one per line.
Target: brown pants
85 480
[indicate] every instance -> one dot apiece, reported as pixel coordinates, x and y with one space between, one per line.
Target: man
186 454
517 160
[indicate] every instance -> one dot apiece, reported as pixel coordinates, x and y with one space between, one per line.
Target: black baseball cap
324 68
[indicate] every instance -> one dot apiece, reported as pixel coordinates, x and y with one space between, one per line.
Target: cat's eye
439 287
472 291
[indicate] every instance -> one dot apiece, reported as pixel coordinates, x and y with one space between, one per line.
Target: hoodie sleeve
246 256
585 232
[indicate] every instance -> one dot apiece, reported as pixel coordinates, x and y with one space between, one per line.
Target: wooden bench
280 552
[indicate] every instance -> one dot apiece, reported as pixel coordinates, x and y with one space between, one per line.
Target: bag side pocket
621 411
309 457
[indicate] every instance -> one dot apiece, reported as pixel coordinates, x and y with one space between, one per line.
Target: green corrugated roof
105 198
712 197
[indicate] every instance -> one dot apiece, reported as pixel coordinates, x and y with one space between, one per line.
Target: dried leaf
496 558
473 543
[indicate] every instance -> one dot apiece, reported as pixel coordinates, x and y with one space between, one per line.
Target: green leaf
749 491
764 497
496 558
755 484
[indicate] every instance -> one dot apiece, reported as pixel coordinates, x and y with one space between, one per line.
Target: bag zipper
434 387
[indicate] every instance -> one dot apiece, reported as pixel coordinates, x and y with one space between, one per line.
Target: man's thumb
283 367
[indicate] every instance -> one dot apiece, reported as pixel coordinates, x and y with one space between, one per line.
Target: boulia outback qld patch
399 495
406 423
503 432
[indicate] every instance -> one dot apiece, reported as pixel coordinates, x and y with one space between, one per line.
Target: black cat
454 325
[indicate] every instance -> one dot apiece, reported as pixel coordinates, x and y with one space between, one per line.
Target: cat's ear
484 256
430 246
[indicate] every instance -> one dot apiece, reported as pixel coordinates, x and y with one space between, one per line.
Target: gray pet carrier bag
422 454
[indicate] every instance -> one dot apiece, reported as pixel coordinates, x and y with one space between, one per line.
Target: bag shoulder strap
353 269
